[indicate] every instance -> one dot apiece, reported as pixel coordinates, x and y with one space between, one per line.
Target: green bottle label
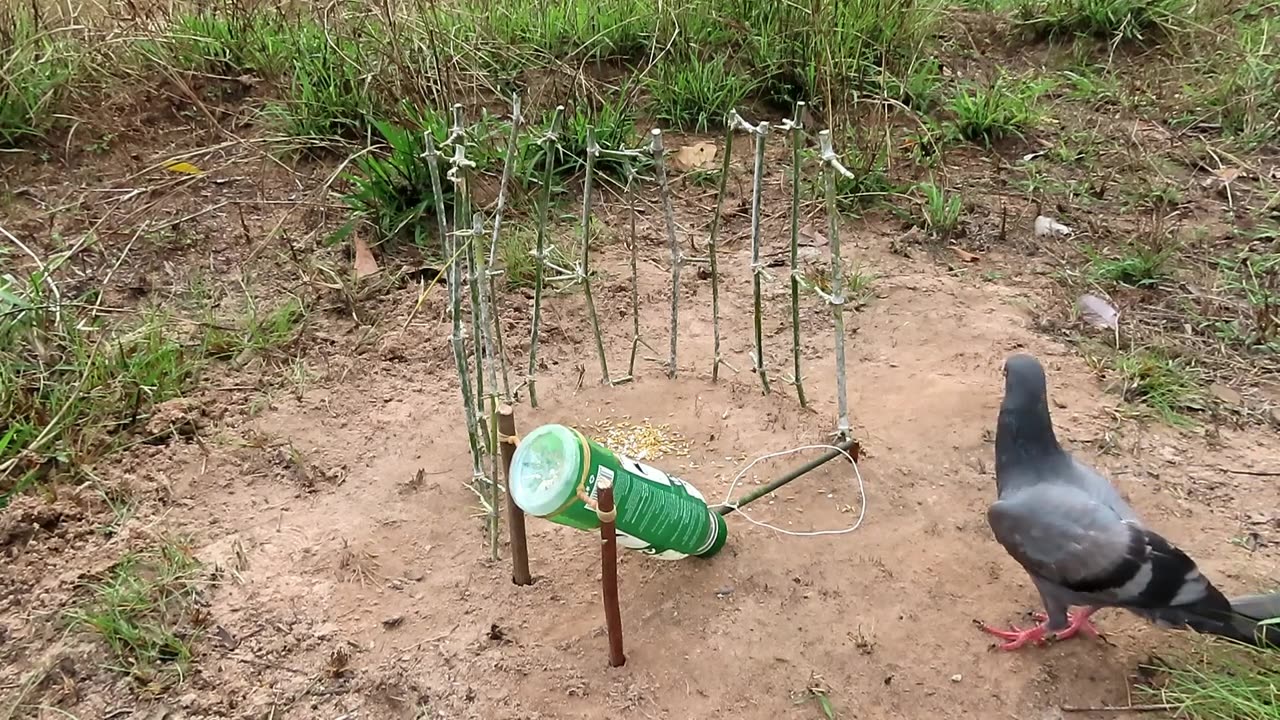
658 514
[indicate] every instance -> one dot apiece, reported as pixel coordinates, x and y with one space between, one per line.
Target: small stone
392 622
326 631
957 678
725 591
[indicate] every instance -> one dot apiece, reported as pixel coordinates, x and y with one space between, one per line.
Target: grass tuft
939 210
37 68
70 387
331 86
1107 19
1135 265
694 94
991 111
142 610
1233 681
393 190
1171 387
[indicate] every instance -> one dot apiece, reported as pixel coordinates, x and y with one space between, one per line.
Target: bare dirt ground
347 585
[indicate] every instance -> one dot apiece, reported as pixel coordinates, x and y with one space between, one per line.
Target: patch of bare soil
353 578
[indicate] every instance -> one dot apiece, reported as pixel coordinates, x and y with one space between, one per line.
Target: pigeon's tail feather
1244 619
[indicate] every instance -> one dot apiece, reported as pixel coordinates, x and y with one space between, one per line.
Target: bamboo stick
712 245
548 145
584 263
507 164
833 166
455 300
635 272
677 260
797 144
761 133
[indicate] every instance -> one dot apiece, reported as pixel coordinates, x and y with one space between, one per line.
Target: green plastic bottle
658 514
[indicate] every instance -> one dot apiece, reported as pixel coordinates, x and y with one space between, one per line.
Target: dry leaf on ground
365 263
698 156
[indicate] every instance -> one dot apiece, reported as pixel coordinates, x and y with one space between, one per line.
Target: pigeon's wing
1098 487
1063 535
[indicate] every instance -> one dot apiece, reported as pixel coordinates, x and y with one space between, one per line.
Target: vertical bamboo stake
548 144
833 166
515 516
584 264
507 164
757 270
711 252
609 570
797 144
485 351
677 259
635 276
461 216
455 301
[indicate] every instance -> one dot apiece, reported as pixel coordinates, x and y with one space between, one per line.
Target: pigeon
1084 546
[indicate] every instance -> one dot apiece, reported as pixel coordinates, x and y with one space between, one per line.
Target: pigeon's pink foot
1017 638
1080 624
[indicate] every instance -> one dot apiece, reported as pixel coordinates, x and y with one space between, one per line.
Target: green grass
37 69
223 43
1252 276
71 387
261 332
869 185
1222 682
821 52
1002 107
583 29
695 94
392 189
1107 19
939 210
331 93
1134 265
614 124
1168 386
75 387
142 610
519 266
1237 82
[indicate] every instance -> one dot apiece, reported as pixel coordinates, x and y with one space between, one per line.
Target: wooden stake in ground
836 299
660 167
454 282
507 165
549 146
761 133
635 271
797 144
486 352
584 263
515 516
609 570
712 250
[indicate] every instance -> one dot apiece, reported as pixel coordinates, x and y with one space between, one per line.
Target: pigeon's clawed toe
1037 635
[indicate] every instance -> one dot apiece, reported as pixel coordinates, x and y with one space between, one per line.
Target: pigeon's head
1024 383
1024 430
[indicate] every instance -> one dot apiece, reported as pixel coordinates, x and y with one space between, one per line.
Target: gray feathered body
1080 542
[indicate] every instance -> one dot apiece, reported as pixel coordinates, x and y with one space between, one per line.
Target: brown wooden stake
515 516
609 570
